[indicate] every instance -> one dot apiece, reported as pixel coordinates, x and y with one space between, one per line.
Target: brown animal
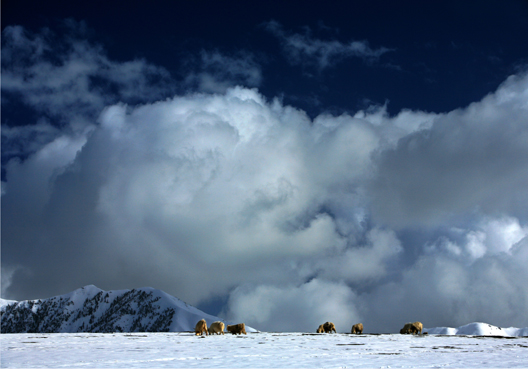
216 328
329 327
417 328
320 329
412 328
406 329
357 328
201 328
237 328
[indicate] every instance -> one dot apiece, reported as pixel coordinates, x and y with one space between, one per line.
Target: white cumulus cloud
297 309
294 221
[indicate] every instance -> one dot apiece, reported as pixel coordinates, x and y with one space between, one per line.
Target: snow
6 302
81 294
257 350
479 329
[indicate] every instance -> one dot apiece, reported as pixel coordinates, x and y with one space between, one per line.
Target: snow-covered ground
257 350
479 329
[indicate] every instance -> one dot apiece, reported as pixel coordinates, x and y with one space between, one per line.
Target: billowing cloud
231 184
304 49
471 159
488 237
295 308
443 290
291 220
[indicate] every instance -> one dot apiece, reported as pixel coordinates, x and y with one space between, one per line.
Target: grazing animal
357 328
216 328
201 328
406 329
320 329
237 328
412 328
417 328
329 327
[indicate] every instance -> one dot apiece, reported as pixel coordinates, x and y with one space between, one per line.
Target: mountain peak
90 287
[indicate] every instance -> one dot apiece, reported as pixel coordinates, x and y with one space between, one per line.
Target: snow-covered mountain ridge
90 309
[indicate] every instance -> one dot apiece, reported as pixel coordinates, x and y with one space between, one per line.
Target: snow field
259 350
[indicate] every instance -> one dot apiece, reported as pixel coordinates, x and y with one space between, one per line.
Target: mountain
90 309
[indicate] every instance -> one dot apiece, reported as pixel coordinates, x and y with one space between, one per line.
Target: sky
282 164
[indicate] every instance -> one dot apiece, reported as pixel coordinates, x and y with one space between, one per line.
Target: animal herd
328 327
218 328
408 328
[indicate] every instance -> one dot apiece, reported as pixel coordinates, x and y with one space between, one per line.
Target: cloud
231 184
471 159
219 72
304 49
293 221
442 290
490 236
295 309
365 263
71 75
439 289
66 81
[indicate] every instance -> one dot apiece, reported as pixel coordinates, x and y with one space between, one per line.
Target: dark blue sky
443 54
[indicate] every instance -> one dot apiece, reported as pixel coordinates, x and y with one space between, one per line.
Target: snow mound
479 329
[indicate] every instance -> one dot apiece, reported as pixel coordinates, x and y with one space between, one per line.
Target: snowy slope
479 329
260 350
5 302
90 309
